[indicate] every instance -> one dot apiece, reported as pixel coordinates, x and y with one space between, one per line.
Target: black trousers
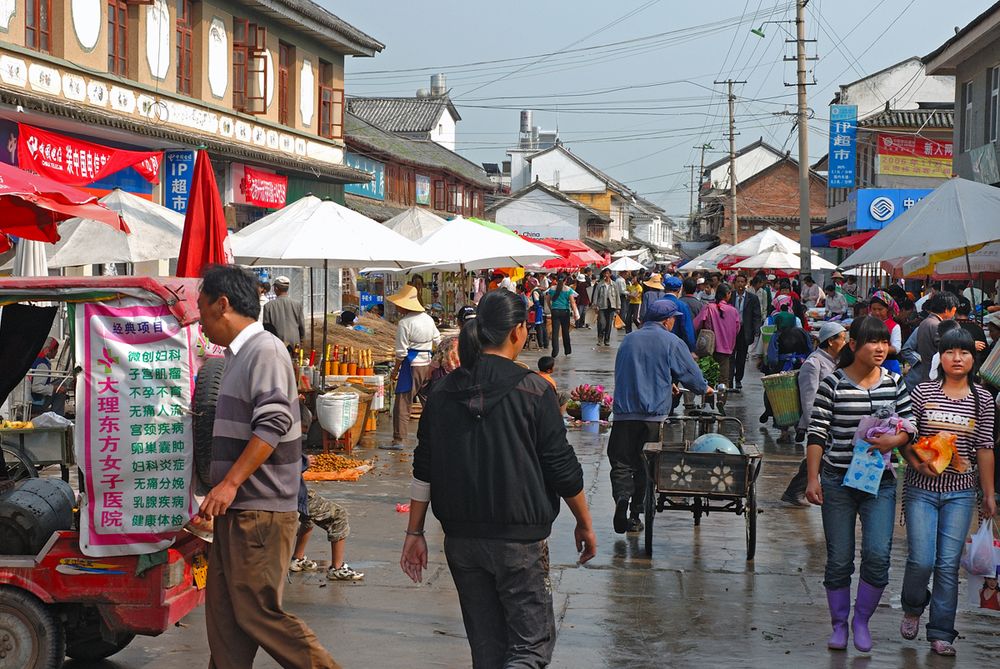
743 343
560 321
631 317
797 486
628 472
605 322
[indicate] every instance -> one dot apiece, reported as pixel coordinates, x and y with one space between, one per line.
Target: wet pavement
696 602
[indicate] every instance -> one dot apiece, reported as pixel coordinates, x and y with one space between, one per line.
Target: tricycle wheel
206 393
750 509
33 639
89 640
697 511
649 511
19 467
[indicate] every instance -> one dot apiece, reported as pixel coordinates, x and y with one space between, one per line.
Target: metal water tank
526 119
423 93
439 84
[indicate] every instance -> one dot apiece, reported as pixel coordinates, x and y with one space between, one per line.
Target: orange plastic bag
940 451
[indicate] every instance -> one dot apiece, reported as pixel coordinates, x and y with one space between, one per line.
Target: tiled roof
373 209
402 114
309 16
911 118
363 134
559 195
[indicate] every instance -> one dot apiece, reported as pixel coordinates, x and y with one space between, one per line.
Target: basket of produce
782 392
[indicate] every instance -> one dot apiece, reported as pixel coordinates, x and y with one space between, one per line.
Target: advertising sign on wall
257 187
177 182
423 189
375 188
76 162
909 155
843 145
875 208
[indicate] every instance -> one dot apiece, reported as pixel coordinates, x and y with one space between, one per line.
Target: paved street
696 603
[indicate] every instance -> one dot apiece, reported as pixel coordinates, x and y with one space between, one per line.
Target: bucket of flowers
589 403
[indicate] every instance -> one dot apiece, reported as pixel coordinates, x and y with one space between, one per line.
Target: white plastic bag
337 412
980 557
51 419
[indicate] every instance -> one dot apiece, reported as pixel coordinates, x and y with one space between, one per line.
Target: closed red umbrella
31 205
205 240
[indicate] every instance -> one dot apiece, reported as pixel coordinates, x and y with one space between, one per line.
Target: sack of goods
337 412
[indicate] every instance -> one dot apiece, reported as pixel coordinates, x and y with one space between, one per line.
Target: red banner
913 146
76 162
263 189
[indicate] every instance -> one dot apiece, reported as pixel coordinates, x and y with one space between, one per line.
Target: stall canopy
31 205
572 253
29 259
707 261
463 245
760 242
414 223
781 261
156 235
625 264
854 241
983 263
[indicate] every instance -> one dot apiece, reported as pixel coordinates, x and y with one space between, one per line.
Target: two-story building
258 83
428 115
542 212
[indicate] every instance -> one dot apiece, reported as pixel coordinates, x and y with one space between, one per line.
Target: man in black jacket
748 306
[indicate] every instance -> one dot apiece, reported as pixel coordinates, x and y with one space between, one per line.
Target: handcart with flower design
679 479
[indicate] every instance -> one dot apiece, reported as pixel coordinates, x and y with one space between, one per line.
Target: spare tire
206 394
31 512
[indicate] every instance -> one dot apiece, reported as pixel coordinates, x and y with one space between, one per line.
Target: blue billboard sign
375 188
843 146
178 171
875 208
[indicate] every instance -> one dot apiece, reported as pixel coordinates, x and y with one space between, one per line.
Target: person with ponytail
493 458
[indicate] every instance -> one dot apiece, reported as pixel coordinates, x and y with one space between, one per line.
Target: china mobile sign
258 188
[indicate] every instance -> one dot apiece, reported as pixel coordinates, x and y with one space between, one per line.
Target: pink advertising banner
133 433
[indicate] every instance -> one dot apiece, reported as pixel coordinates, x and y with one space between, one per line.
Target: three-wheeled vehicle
55 599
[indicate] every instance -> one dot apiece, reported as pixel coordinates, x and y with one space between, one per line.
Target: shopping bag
619 323
979 558
865 471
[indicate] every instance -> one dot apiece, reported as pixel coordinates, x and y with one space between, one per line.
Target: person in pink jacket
723 319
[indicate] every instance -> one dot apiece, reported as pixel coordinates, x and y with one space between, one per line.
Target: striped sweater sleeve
904 406
822 412
271 420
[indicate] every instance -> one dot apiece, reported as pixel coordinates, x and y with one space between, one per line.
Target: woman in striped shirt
859 387
939 506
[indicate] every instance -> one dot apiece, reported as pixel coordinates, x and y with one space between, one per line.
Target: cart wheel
649 512
697 511
86 641
206 393
33 637
19 466
750 510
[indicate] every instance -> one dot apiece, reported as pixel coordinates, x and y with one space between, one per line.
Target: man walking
416 336
748 306
283 315
256 462
607 301
684 323
649 362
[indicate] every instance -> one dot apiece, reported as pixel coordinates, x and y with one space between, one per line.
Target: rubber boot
839 601
864 606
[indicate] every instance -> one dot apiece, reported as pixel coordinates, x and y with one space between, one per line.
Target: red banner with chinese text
264 189
77 162
909 155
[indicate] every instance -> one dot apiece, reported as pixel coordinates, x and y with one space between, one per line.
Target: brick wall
774 194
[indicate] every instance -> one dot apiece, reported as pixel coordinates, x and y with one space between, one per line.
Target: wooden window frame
331 104
36 35
439 199
966 112
185 45
118 37
249 62
286 58
993 103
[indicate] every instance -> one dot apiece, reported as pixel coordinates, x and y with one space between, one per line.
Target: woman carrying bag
939 506
562 304
859 388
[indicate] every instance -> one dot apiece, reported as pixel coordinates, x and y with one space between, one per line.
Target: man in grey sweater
283 315
256 463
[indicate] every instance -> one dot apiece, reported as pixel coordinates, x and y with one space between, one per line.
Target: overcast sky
630 84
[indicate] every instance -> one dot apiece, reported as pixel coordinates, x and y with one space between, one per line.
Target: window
477 204
454 198
286 60
118 37
37 29
439 200
467 207
185 22
331 104
249 67
966 138
993 80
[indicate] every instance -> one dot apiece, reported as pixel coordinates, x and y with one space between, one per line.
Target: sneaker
797 501
391 447
910 627
302 564
738 387
943 648
621 516
634 525
345 573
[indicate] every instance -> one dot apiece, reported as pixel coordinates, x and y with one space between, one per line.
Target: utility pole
805 222
694 187
732 158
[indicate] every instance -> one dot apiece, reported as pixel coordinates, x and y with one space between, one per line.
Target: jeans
542 332
628 472
631 317
605 322
936 527
560 321
506 598
841 508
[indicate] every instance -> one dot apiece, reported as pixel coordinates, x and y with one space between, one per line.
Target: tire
206 394
35 640
19 467
85 641
649 511
750 510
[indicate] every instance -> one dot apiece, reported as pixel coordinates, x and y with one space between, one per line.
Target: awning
854 241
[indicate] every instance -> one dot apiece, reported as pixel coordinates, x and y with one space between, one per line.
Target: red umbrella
205 240
855 241
32 205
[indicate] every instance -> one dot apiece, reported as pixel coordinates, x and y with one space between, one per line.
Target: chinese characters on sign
77 162
843 145
875 208
909 155
133 430
374 188
179 172
264 189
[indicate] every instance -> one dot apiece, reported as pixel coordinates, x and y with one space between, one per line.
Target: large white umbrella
625 264
707 261
155 235
29 258
957 215
464 245
777 258
415 223
761 242
312 233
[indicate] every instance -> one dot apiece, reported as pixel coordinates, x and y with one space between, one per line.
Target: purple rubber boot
839 601
864 606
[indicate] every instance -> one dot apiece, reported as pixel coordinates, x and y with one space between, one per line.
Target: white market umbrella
625 264
462 245
312 233
707 261
762 241
155 235
776 258
415 223
29 258
958 214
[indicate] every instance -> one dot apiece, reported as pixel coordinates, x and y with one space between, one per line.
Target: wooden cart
678 479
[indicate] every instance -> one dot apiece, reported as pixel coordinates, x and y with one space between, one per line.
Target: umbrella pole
968 268
312 311
326 291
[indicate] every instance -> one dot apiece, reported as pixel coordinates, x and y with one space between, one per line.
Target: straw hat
655 281
406 298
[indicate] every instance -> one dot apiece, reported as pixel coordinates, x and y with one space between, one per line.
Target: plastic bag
51 419
337 411
979 558
865 470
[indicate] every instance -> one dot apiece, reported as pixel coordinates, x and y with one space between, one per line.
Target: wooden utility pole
732 158
805 221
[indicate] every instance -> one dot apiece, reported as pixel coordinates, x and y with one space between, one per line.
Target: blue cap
672 282
661 310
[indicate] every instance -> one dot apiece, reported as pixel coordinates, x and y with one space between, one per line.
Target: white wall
444 133
520 169
655 232
618 229
747 165
562 173
538 214
903 86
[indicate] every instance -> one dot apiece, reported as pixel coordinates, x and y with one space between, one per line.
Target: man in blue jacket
684 322
650 360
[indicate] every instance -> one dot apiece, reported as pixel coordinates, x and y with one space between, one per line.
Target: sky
630 84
